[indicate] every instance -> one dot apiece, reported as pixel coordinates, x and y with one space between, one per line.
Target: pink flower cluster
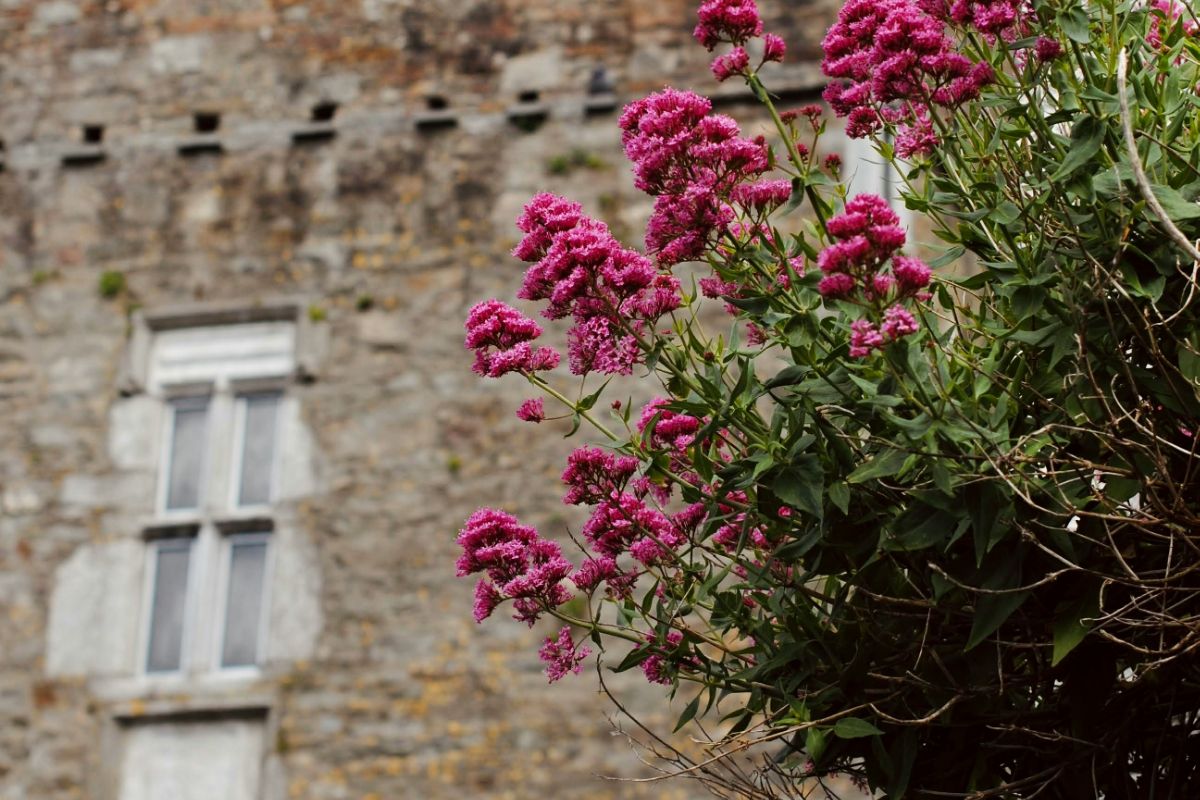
869 235
627 524
892 62
583 272
660 666
518 563
996 19
734 21
562 655
501 336
1169 11
691 160
532 410
595 475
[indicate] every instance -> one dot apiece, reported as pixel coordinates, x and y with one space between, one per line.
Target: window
866 172
208 553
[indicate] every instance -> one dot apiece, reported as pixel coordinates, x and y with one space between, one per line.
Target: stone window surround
126 715
309 342
213 524
220 694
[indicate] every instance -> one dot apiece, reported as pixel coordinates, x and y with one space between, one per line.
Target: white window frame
175 395
218 521
222 605
238 447
147 612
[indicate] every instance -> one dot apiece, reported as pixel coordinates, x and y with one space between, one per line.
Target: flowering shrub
934 529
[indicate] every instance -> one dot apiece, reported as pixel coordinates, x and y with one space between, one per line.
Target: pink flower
594 571
912 274
916 138
890 59
500 336
691 160
774 48
596 475
1047 49
837 286
1168 11
833 163
583 272
518 563
1005 19
562 655
897 322
654 667
732 63
727 21
864 337
623 521
764 195
663 428
532 410
544 215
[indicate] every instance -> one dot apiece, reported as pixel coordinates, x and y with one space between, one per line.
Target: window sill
224 692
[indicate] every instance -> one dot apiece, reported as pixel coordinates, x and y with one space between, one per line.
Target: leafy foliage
965 565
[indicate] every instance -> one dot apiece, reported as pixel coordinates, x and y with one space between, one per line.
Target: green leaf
912 534
991 610
885 464
942 477
1075 24
1086 139
1069 628
1189 365
839 495
1006 213
688 713
815 741
854 728
795 199
985 503
1175 204
788 376
802 484
588 402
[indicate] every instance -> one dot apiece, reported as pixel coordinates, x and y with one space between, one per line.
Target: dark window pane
168 606
258 448
243 604
188 432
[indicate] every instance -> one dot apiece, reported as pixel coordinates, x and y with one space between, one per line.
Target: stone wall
381 226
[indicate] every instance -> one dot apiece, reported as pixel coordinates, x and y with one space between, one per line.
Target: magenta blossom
890 60
500 336
727 21
774 48
562 655
612 293
532 410
518 563
596 475
692 161
732 63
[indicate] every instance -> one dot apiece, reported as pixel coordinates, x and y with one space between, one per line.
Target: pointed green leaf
885 464
1069 625
802 484
854 728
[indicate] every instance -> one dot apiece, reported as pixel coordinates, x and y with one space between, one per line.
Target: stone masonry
352 167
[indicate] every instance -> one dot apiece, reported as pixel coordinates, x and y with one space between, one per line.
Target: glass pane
243 605
258 448
167 606
187 452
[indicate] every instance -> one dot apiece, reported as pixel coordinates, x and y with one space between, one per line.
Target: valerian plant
934 529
